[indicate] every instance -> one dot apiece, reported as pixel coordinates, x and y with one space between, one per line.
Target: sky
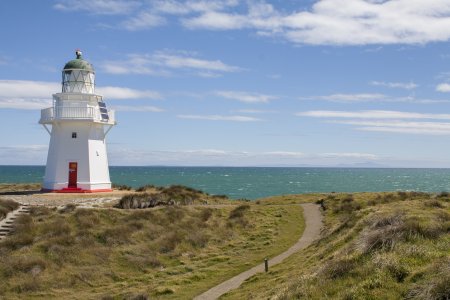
238 83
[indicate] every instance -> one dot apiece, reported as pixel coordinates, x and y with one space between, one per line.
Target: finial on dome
78 53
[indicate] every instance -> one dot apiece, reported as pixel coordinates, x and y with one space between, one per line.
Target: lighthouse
78 123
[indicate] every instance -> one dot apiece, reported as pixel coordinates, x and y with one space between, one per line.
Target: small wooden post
266 264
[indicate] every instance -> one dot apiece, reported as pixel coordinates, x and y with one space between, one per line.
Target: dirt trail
313 224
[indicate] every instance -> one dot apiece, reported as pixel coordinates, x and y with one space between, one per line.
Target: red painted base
76 190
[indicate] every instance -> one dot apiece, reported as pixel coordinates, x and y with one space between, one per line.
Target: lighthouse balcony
89 113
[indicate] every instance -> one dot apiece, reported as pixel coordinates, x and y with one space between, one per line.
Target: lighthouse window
74 135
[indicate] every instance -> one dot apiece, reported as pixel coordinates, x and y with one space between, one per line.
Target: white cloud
400 85
325 22
217 157
443 88
387 121
368 97
220 118
408 130
367 156
216 21
350 97
432 128
254 111
25 94
285 154
101 7
340 22
137 108
28 89
18 103
372 114
245 96
23 154
114 92
143 20
164 62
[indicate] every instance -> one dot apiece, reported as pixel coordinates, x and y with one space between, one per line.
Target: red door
73 166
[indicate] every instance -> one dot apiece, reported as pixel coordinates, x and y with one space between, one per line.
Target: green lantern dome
79 63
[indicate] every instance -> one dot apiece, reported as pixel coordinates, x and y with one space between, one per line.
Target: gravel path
313 224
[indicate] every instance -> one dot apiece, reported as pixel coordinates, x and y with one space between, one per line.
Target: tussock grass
7 206
436 284
173 252
374 246
151 196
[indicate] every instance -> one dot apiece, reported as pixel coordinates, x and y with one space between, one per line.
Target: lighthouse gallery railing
76 113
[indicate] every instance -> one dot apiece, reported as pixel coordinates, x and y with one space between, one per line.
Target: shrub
86 218
384 232
239 211
434 203
68 208
143 261
436 285
145 188
338 268
142 200
7 206
198 238
443 195
170 241
121 187
205 214
402 195
237 216
346 205
117 235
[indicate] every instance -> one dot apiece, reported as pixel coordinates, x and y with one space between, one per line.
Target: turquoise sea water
252 182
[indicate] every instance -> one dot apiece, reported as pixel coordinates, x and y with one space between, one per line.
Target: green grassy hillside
169 252
374 246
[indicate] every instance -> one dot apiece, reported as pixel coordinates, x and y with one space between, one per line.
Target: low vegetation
11 188
7 206
173 252
374 245
151 196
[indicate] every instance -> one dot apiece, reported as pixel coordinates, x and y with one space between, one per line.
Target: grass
174 252
151 196
374 245
7 206
10 188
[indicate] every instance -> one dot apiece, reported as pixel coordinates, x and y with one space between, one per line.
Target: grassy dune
170 252
374 246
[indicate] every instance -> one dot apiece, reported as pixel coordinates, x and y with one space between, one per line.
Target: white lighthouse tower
77 160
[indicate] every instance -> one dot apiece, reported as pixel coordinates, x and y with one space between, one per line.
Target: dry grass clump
121 187
160 196
434 203
143 200
237 216
7 206
443 195
337 268
383 232
437 282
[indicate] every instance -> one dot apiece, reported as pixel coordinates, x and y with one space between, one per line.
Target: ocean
257 182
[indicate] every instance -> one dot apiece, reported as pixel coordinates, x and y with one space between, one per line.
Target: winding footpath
313 225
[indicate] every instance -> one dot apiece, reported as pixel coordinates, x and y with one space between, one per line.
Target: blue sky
265 83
